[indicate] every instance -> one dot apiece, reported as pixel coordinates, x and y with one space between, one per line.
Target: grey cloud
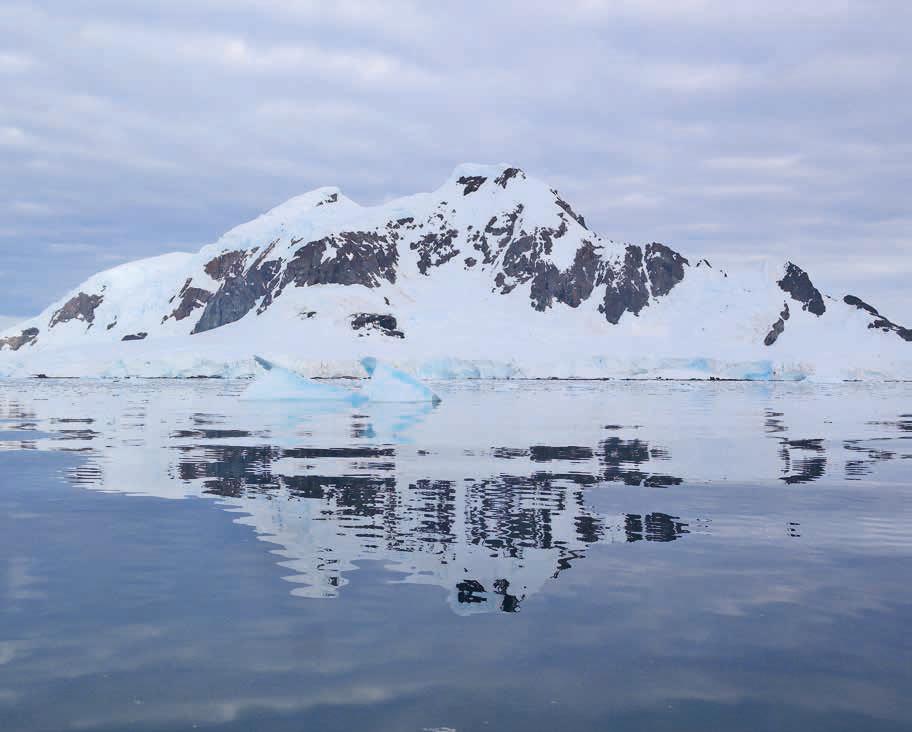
728 129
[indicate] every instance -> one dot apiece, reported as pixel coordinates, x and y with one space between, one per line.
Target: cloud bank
733 130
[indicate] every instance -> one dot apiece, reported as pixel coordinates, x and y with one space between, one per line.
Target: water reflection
662 556
476 537
430 492
803 460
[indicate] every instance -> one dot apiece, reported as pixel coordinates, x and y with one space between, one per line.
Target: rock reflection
489 541
491 525
868 453
803 460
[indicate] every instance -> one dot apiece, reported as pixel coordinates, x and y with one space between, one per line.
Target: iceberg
387 384
276 383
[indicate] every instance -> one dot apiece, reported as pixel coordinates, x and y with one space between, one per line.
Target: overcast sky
734 129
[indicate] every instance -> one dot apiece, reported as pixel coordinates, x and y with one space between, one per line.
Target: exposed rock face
508 175
348 258
518 263
861 305
471 183
625 289
384 323
797 284
14 343
778 327
232 302
435 249
191 298
81 307
240 290
525 256
627 286
880 322
501 229
229 264
566 206
571 286
664 267
135 337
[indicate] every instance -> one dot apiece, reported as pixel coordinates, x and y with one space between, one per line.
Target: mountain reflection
489 541
489 505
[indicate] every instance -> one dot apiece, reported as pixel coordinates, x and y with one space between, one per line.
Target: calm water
525 556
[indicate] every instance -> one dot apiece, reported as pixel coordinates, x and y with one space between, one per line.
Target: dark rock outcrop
435 249
861 305
664 267
518 263
797 284
135 336
471 183
14 343
232 302
384 323
570 212
191 298
331 198
523 259
80 307
625 289
572 286
347 258
229 264
778 327
240 291
880 322
508 175
500 229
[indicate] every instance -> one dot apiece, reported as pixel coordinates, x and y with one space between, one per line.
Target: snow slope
493 275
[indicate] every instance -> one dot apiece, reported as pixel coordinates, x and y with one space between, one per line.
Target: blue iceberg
276 383
387 384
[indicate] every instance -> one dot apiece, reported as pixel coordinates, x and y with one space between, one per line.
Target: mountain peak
483 170
310 200
471 177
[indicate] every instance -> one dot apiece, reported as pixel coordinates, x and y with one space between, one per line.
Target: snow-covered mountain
493 274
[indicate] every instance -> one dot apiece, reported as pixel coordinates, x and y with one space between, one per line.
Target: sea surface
528 555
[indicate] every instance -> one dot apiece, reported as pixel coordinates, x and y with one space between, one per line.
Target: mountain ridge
494 266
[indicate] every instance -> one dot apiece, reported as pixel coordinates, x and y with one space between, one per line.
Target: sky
736 130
